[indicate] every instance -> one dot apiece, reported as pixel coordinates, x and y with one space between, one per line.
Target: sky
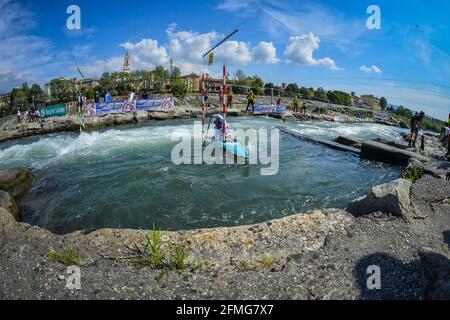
314 43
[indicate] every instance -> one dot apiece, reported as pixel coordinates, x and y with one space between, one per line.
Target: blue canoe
235 148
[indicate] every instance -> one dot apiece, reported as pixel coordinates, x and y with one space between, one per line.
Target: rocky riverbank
401 227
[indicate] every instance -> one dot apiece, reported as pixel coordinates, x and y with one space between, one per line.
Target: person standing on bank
415 127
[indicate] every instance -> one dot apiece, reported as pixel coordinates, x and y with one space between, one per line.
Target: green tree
20 100
62 90
179 90
292 88
239 76
320 94
176 73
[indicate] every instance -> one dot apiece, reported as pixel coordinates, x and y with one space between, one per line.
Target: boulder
391 198
140 116
124 118
9 204
16 181
436 267
160 115
180 113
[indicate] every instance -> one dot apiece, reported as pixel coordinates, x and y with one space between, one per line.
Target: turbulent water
124 178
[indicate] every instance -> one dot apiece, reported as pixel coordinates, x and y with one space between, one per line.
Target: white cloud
186 49
300 50
372 69
21 55
234 53
265 52
146 54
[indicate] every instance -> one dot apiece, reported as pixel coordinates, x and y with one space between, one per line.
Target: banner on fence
125 106
269 108
58 110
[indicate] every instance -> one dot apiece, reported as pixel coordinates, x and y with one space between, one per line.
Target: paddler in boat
221 127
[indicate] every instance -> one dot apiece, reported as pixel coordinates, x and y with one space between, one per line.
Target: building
371 102
192 82
3 98
86 84
126 63
215 85
79 84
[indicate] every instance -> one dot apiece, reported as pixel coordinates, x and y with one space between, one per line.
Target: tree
321 94
239 76
35 90
383 103
179 90
292 88
20 100
176 73
62 90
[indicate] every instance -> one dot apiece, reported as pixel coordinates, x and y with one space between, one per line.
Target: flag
211 59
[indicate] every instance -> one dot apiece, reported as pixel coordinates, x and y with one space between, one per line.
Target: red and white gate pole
225 99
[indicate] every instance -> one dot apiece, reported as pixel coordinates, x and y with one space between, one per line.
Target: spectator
221 97
97 97
230 98
251 98
415 127
18 116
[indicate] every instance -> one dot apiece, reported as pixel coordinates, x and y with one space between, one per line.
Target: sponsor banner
124 106
269 108
54 111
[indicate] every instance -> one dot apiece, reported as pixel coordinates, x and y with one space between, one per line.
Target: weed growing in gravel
179 258
413 173
158 255
68 257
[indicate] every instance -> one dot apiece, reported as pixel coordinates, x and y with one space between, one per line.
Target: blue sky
313 43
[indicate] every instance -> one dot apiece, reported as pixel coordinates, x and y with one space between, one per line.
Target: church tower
126 63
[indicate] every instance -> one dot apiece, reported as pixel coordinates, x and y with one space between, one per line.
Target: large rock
377 151
160 115
7 202
436 267
392 198
141 116
183 114
16 181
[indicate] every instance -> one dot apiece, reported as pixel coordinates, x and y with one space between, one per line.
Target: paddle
207 132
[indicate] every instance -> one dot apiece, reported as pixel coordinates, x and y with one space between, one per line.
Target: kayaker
220 128
415 127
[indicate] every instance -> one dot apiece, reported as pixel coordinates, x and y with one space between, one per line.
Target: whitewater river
124 178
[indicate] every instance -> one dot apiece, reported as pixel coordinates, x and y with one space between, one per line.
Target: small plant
413 173
179 258
153 254
267 262
69 257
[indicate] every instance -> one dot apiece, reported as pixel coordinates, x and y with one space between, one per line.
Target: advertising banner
269 108
54 111
125 106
